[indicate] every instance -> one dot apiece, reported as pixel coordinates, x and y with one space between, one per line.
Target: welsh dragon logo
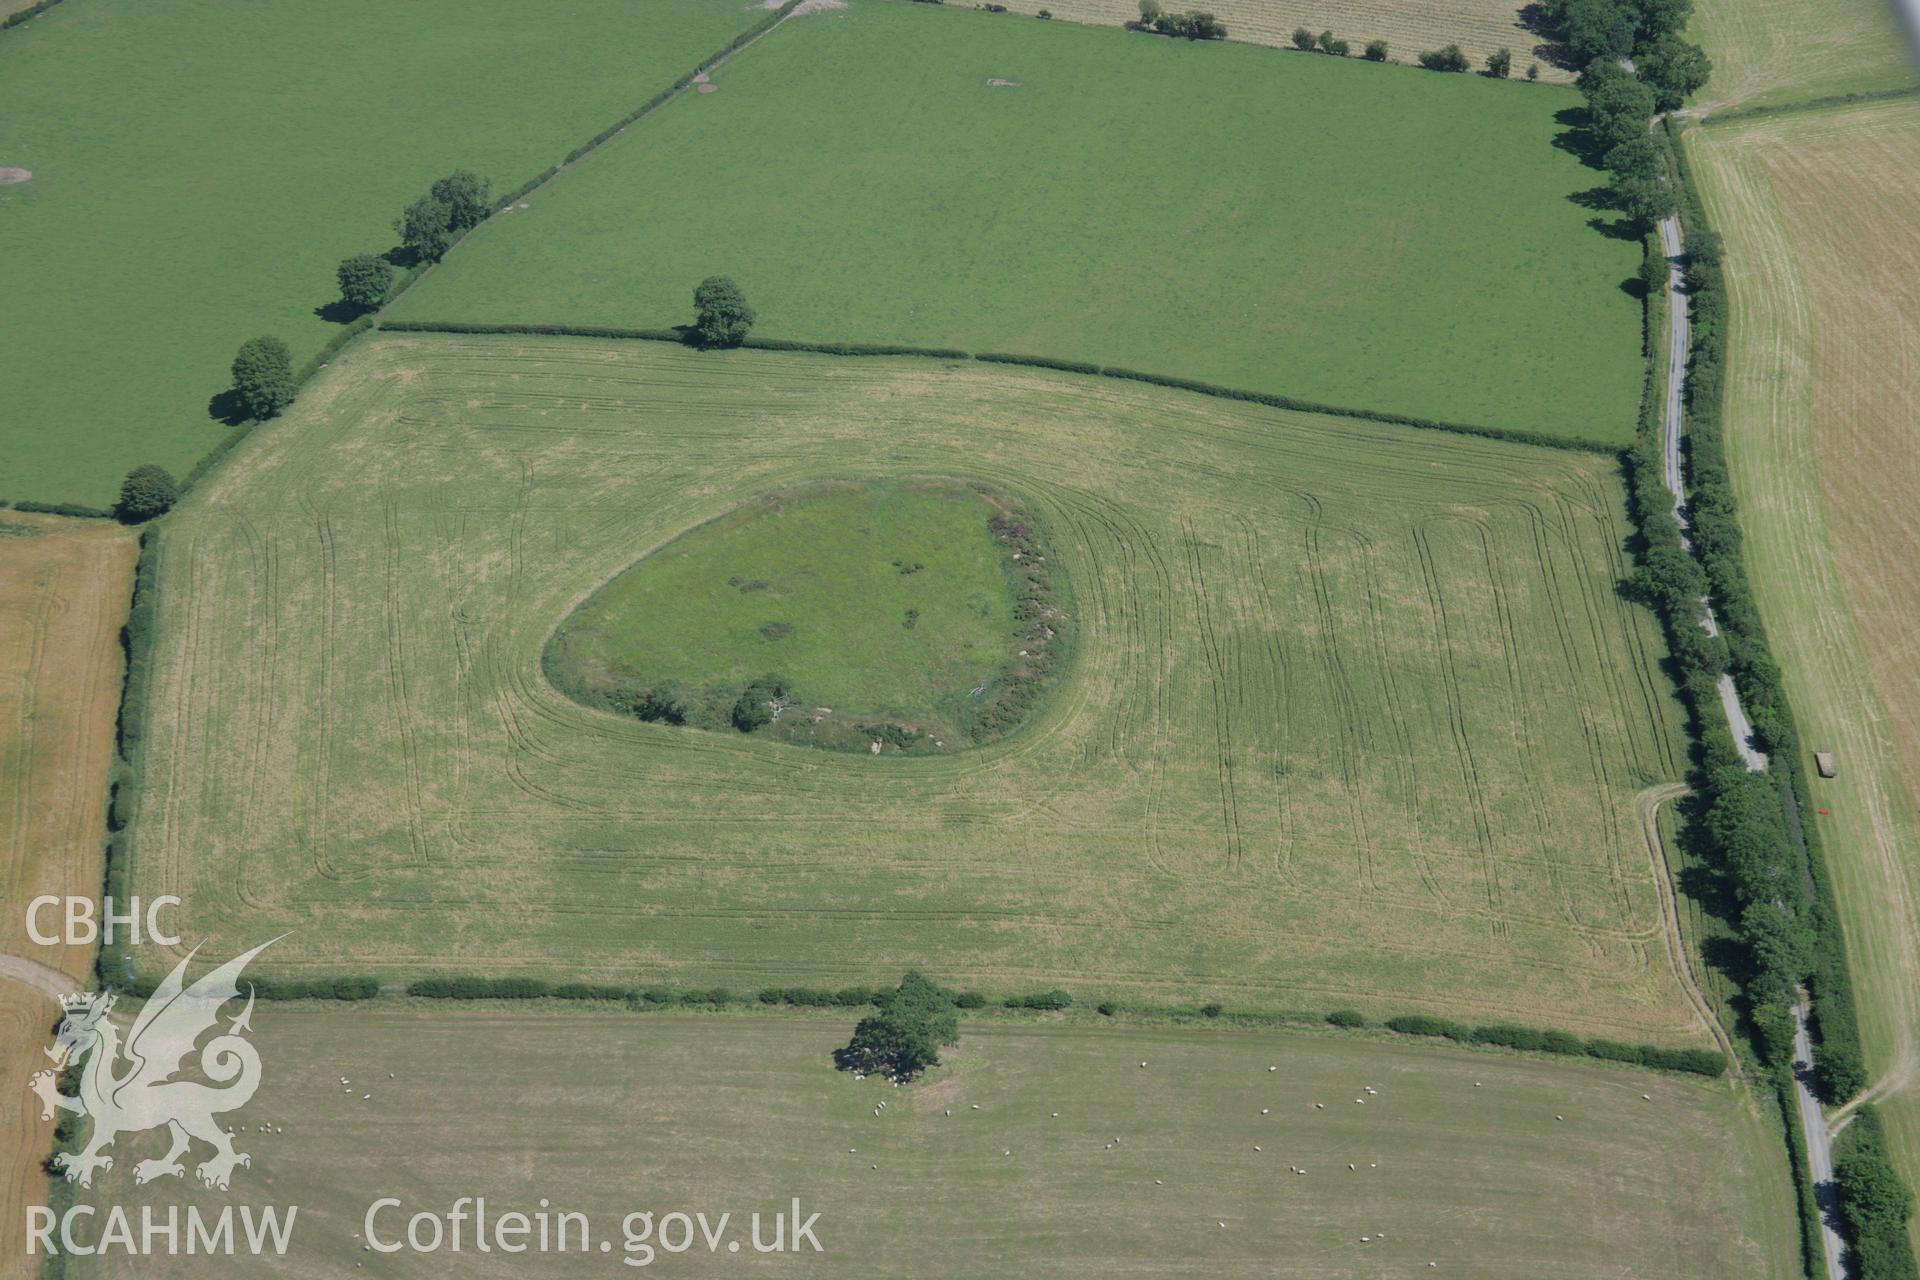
130 1087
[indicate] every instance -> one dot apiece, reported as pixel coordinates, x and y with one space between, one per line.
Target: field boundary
1052 364
598 140
468 987
1829 102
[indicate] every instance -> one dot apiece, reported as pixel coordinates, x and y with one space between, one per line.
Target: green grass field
609 1113
1355 715
1350 234
1771 52
200 168
873 602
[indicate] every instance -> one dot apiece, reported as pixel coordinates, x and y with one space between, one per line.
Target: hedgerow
1291 403
315 988
76 509
1702 1062
1875 1204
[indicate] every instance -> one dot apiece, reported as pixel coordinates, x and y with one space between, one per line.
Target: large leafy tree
263 376
1674 68
1618 105
147 492
468 198
1660 17
365 279
721 314
905 1036
423 227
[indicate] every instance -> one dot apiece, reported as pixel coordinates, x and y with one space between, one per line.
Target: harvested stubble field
1769 52
1823 265
64 587
1356 716
201 167
740 1115
1408 26
1349 234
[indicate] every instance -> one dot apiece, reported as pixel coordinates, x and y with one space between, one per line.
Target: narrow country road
1819 1145
1679 336
1812 1122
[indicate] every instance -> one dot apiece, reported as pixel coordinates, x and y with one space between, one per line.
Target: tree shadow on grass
227 409
339 311
1576 136
1617 228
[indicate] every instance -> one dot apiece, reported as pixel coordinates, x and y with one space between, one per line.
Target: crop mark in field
1349 722
1217 678
1520 701
1456 722
396 664
1275 720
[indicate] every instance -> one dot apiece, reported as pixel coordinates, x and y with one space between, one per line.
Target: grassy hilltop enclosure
1823 270
739 1115
1355 714
1344 233
920 616
200 168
